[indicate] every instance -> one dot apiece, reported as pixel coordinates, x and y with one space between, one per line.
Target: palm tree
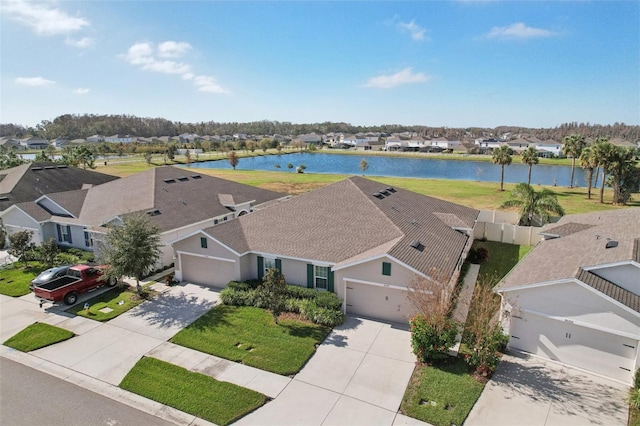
589 162
573 146
502 156
604 152
533 204
530 157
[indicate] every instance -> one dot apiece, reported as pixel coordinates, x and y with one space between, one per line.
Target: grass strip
119 300
14 280
194 393
250 336
36 336
442 395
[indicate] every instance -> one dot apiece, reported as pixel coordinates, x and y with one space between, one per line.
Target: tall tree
233 159
532 204
604 152
131 249
573 146
589 162
502 156
624 174
530 158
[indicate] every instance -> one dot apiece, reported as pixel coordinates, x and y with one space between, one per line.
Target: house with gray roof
177 201
361 239
575 298
30 181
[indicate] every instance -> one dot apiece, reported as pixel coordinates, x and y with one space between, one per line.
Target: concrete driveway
357 376
528 390
108 351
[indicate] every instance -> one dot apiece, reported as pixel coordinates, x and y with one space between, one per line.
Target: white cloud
172 49
152 57
34 81
519 31
81 91
82 43
406 76
416 31
43 19
206 83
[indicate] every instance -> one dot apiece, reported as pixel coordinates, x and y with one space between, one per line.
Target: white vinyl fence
501 226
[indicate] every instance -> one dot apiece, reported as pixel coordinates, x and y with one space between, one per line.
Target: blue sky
434 63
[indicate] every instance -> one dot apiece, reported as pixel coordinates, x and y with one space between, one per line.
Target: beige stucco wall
573 302
15 220
192 245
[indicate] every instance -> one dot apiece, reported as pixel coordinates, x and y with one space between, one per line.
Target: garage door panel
201 270
378 302
583 347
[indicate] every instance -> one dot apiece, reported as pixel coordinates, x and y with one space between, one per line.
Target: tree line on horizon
73 126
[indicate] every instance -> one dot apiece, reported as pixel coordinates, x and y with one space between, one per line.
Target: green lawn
118 299
14 280
250 336
502 257
441 396
36 336
194 393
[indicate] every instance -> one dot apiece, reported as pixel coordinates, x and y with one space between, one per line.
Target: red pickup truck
79 278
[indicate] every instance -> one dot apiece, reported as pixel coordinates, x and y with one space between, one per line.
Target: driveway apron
357 376
527 390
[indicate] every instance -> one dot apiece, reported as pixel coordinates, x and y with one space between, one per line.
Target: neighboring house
96 138
8 142
489 144
372 143
311 138
358 238
118 139
29 181
177 201
188 137
575 298
519 145
34 142
60 143
445 143
394 143
549 148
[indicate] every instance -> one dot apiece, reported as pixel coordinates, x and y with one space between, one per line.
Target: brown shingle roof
615 292
343 220
566 229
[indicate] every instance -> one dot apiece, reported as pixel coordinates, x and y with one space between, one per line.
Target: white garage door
593 350
378 302
201 270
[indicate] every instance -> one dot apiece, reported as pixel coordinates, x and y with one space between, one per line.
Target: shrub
636 380
232 297
485 353
234 285
478 255
325 299
634 398
431 338
297 292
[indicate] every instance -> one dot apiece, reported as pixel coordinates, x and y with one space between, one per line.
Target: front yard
249 335
36 336
112 303
15 279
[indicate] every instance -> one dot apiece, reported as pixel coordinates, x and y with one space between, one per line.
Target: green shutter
59 232
309 275
279 265
330 286
386 268
203 242
69 232
260 267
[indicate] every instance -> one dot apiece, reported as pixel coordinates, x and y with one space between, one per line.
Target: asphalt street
32 398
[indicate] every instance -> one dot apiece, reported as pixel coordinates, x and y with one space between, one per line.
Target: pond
406 167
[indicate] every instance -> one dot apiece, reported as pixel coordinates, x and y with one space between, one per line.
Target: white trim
353 280
583 324
380 256
15 206
298 259
224 259
53 202
611 265
533 285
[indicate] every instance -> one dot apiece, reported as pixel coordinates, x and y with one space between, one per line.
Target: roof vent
416 245
154 212
378 195
36 168
3 198
183 178
49 167
64 166
611 244
385 192
196 177
391 189
183 202
170 181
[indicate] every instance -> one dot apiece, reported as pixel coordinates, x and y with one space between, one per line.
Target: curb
107 390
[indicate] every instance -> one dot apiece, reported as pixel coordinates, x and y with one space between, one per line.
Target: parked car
49 275
79 279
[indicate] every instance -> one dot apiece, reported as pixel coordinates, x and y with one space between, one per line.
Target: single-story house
29 181
575 298
177 201
8 142
34 142
361 239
